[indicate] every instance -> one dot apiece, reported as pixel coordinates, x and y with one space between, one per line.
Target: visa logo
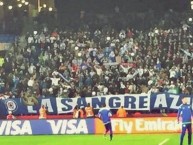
16 127
73 126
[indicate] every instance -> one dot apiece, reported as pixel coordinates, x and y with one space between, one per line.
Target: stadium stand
101 55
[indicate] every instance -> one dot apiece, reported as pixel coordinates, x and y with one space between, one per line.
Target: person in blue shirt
104 114
185 112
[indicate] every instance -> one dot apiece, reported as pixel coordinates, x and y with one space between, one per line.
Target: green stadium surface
129 139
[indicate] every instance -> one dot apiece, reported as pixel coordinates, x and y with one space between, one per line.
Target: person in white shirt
54 79
172 72
122 34
30 82
62 46
30 39
31 68
98 70
125 68
140 71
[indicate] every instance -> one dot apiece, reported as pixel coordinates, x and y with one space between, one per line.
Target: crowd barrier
89 126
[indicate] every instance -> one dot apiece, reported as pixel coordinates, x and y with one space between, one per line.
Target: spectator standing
81 112
10 116
89 111
75 112
43 112
121 112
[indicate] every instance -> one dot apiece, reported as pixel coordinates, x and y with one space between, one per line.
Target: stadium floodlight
19 5
76 48
156 31
108 38
190 19
191 2
10 7
35 32
18 0
79 54
23 1
132 54
50 9
26 3
44 5
93 93
191 7
1 3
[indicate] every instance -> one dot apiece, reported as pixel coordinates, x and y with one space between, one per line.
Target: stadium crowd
102 60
